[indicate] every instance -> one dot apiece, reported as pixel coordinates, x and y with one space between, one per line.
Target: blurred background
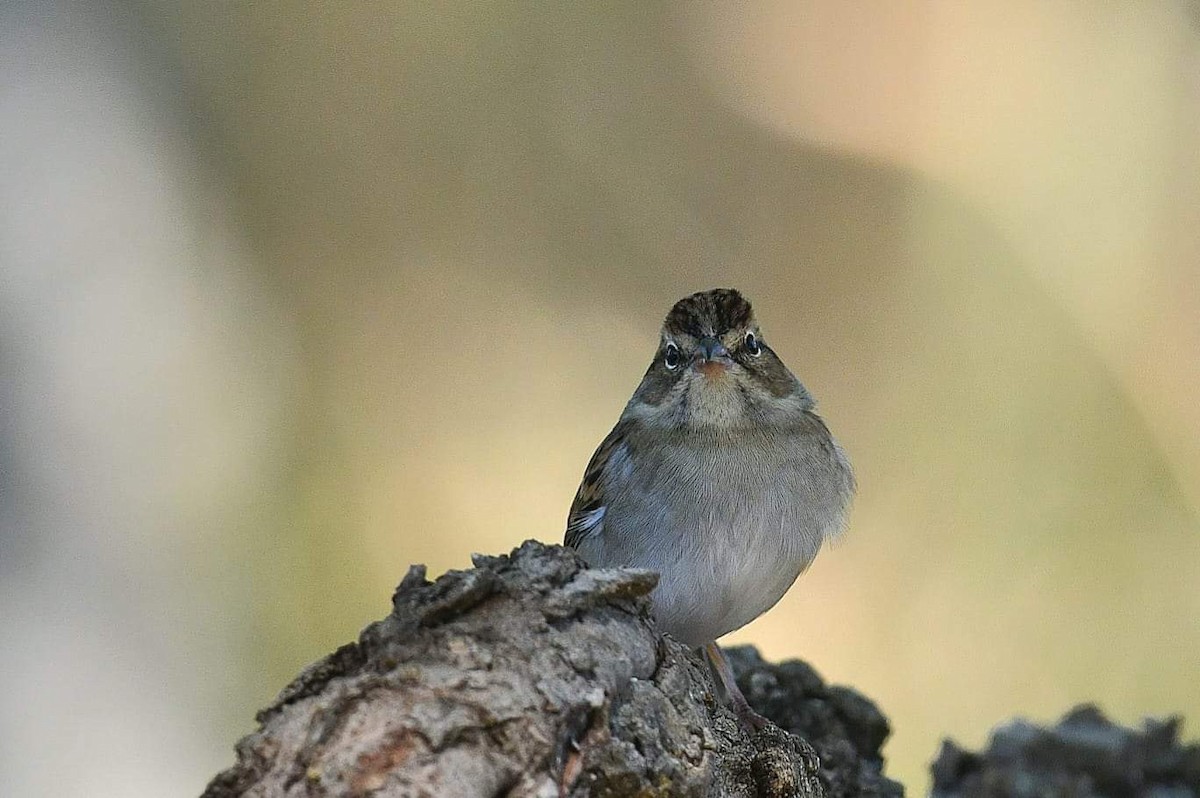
293 295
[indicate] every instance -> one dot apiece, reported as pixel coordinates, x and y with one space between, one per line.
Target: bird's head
713 369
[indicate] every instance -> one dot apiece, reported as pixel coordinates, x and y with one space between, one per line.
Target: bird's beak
712 358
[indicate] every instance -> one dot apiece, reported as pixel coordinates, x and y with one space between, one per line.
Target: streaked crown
714 313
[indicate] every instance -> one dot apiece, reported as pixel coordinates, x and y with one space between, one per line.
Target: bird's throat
712 369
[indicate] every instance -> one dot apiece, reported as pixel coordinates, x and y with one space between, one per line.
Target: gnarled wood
530 675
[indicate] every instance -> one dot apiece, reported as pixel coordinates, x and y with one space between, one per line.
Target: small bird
719 475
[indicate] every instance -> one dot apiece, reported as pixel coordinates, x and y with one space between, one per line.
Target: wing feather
586 517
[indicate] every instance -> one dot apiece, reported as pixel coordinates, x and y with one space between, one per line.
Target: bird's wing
586 517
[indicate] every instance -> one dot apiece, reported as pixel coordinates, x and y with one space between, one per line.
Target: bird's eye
752 344
671 356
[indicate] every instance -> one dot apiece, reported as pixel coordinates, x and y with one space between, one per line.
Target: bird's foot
750 720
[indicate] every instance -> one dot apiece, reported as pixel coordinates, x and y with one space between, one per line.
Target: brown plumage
719 476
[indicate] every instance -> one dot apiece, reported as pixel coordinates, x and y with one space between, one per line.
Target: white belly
728 528
707 591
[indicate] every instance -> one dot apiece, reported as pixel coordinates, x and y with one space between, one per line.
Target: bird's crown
714 312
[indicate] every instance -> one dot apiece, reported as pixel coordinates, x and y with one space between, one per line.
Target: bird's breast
729 525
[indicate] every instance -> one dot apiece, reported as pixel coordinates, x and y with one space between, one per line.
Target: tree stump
531 675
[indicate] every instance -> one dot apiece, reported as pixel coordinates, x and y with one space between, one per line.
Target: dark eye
752 344
671 356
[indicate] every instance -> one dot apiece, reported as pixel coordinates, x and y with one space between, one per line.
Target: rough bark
530 675
1083 755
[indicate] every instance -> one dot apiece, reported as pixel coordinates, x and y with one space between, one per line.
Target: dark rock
1084 755
845 728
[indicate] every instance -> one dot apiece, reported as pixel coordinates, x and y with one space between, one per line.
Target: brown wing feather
587 509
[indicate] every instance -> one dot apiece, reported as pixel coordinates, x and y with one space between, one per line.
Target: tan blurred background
293 295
